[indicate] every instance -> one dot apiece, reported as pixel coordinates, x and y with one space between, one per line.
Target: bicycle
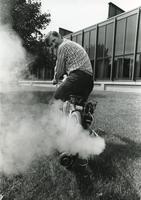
80 111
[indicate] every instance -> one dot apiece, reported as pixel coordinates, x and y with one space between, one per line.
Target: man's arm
59 69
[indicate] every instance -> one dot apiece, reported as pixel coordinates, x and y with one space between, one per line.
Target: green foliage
28 21
44 62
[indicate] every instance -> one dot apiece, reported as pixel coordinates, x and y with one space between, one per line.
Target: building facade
114 48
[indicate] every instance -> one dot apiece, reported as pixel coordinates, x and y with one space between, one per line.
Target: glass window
79 39
130 34
107 68
128 66
118 66
103 69
138 66
68 37
99 69
86 42
123 67
109 40
120 32
101 42
74 38
92 43
139 36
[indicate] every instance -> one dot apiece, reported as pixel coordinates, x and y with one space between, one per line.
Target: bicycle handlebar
55 82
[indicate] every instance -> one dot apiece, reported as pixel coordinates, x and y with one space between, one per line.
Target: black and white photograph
70 100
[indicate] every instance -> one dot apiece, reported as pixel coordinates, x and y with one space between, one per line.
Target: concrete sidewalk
98 86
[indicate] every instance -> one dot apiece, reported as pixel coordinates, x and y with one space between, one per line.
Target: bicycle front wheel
76 117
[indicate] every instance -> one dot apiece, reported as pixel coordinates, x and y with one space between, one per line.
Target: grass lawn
114 175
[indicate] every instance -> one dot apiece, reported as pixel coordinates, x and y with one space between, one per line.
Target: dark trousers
77 83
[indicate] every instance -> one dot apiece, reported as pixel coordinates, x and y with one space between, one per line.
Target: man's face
54 42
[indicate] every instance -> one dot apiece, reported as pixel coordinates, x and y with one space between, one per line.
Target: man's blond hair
49 34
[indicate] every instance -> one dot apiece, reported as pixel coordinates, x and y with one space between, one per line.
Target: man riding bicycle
72 60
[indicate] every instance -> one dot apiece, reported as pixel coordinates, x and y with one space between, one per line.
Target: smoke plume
29 129
71 136
12 55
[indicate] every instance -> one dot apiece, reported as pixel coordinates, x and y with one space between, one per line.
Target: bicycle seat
77 100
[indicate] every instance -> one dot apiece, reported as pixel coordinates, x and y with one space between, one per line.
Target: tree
28 21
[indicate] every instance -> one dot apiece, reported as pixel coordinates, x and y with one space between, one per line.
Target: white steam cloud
72 138
12 55
26 133
26 136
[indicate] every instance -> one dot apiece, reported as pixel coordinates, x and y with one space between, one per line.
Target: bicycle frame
78 109
75 109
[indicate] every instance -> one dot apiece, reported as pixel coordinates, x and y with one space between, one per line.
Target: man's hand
54 81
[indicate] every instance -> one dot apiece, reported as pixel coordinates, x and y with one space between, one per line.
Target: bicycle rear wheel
67 160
